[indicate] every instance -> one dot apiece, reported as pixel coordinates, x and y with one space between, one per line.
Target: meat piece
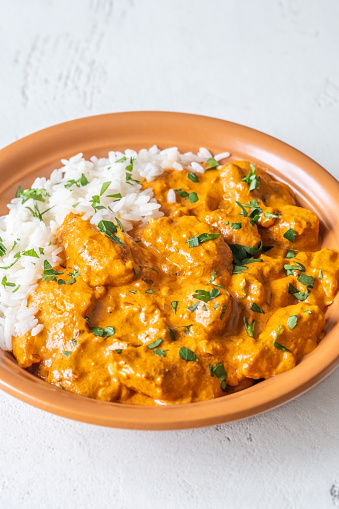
169 238
100 260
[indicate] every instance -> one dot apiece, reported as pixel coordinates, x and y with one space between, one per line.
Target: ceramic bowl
40 153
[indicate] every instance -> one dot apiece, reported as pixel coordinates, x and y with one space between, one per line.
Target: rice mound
27 240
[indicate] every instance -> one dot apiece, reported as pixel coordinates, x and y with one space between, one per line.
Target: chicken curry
229 287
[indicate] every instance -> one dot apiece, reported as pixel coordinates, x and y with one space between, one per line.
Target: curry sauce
227 288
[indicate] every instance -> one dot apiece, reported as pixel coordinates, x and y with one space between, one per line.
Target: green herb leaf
104 187
256 308
249 328
160 353
117 195
223 311
149 291
236 226
36 212
49 274
243 210
192 176
174 305
292 321
306 280
155 344
200 239
193 242
268 214
320 276
239 269
187 355
121 160
5 283
307 312
82 181
290 254
109 229
206 295
220 372
67 353
278 345
194 307
213 277
290 268
181 192
212 163
71 281
34 194
41 250
251 179
290 234
298 295
30 252
107 332
74 342
2 248
193 197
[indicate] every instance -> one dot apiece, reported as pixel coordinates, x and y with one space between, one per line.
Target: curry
228 288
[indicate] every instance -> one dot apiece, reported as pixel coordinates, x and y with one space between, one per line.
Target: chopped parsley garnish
290 268
129 169
117 196
212 163
41 250
220 372
307 312
298 295
320 276
132 291
2 248
160 353
290 234
236 226
16 289
292 321
206 295
192 177
213 276
251 179
121 160
249 328
268 214
172 329
16 256
149 291
74 342
187 355
49 274
30 252
5 283
71 281
256 308
278 345
290 254
107 332
155 344
36 212
109 229
67 353
223 311
104 187
200 239
306 280
119 223
227 223
194 307
34 194
82 181
118 350
95 203
193 197
239 269
174 305
135 272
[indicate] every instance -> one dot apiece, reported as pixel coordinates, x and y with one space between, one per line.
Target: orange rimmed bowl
40 153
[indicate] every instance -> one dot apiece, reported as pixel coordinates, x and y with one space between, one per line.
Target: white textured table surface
269 64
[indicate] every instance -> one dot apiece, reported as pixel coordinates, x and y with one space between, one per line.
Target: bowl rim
252 401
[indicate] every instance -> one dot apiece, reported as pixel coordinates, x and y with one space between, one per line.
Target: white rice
20 231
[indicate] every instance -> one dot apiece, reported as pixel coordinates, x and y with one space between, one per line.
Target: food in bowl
158 277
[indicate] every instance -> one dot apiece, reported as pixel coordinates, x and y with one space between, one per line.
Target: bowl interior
40 153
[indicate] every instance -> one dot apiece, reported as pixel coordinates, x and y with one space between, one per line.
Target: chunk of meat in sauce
100 260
